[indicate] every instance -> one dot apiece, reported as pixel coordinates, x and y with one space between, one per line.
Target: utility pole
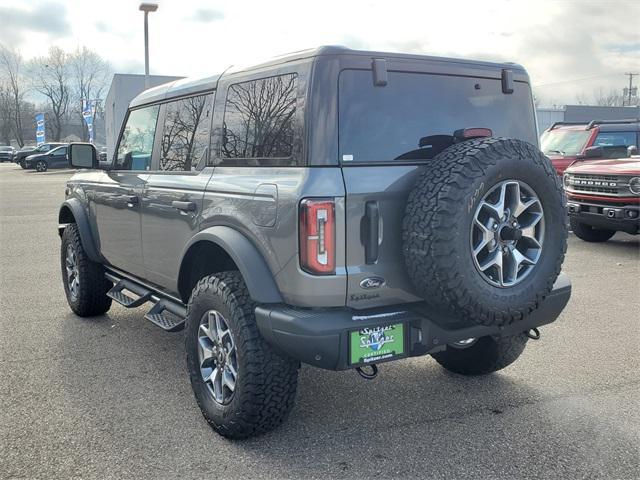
630 90
147 8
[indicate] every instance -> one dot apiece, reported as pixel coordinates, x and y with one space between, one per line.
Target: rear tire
264 382
588 233
87 296
486 355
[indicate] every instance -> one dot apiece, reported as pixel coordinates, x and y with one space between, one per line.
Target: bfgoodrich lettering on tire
485 230
242 386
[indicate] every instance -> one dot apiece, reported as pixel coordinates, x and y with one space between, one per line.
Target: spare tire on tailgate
485 230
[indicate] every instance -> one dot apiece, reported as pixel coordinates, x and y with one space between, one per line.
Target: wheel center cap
509 233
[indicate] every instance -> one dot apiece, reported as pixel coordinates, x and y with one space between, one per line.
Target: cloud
206 15
46 17
102 27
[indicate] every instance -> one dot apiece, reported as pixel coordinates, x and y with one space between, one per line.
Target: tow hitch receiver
368 375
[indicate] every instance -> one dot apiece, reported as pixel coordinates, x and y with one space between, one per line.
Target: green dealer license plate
376 344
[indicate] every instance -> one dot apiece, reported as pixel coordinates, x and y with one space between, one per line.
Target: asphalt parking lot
110 398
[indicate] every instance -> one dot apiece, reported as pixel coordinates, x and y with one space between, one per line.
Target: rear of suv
567 142
333 207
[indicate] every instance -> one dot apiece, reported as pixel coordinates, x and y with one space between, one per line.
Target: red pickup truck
603 197
566 142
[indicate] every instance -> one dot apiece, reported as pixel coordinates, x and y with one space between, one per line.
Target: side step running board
116 293
166 313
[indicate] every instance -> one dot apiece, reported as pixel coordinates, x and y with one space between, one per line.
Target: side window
615 139
615 143
61 152
185 134
136 144
259 120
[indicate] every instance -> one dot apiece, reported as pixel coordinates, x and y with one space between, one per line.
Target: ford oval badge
372 282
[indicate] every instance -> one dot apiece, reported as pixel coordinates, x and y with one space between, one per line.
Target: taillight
318 236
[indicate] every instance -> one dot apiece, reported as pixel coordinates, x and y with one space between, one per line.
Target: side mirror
592 152
82 155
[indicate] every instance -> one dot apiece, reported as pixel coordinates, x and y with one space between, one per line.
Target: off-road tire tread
486 356
431 208
92 300
269 379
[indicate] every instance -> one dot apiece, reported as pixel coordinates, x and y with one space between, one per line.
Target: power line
577 79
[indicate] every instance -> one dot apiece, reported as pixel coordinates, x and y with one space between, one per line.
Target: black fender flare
254 269
82 221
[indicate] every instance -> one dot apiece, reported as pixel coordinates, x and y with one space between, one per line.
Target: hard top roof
189 86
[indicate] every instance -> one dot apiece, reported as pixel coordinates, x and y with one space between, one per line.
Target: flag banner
40 129
87 113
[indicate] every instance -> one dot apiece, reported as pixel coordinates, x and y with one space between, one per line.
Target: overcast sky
569 47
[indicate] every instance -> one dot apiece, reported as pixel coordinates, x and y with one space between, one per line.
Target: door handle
371 232
184 206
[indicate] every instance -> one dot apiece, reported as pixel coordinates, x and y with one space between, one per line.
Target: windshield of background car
386 123
564 142
5 149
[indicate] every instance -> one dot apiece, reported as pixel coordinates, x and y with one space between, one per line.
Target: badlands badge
376 344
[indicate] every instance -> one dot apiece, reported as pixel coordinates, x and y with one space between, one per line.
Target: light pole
146 8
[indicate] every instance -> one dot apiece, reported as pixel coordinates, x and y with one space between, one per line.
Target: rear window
383 124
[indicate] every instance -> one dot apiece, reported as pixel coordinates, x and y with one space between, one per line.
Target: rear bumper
321 337
621 218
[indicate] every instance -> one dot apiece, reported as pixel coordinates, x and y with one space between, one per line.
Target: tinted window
136 143
59 152
615 139
381 124
185 134
259 119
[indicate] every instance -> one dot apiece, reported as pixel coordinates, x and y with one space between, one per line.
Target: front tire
486 355
84 282
588 233
41 166
242 386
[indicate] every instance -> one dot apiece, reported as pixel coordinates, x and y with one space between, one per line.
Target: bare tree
612 98
11 69
5 114
90 77
52 77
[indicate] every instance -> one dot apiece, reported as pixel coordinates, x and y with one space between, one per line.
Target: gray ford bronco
334 207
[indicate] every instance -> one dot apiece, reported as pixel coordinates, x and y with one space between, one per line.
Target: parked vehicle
334 207
24 153
6 153
102 154
604 198
56 158
566 142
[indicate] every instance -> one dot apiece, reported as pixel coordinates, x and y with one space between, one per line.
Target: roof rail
593 123
555 124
